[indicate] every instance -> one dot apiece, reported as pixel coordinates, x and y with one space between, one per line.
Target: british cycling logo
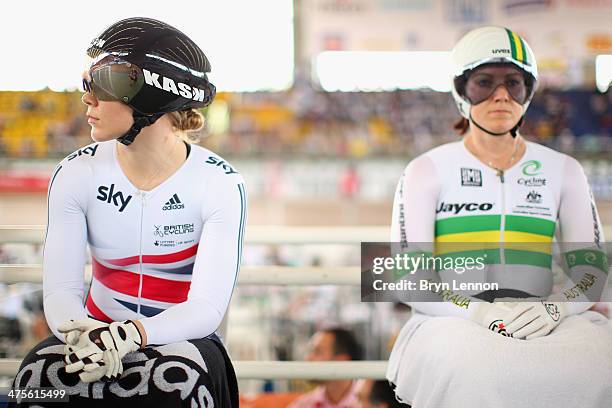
108 195
471 177
174 203
178 229
457 208
220 163
88 151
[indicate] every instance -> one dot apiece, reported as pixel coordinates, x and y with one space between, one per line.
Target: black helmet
150 66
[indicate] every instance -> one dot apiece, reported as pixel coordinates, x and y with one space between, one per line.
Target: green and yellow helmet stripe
517 46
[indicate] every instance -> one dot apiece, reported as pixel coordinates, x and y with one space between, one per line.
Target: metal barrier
281 370
257 234
249 275
266 275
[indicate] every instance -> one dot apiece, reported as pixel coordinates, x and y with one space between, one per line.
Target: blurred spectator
306 121
349 182
333 344
377 394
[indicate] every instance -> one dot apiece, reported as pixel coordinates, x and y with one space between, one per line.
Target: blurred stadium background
321 105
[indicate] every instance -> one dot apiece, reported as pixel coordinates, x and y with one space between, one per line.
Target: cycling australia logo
471 177
531 169
534 197
174 203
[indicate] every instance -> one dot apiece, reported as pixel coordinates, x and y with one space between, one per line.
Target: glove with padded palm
112 343
106 365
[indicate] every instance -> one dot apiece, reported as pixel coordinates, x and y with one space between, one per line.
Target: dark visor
480 86
113 79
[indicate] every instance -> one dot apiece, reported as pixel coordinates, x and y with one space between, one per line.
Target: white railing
266 275
281 370
252 275
249 275
257 234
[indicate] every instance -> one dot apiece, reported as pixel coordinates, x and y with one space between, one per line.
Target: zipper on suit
142 195
502 228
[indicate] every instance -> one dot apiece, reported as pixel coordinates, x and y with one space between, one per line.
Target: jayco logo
457 208
532 168
90 150
168 85
220 163
108 195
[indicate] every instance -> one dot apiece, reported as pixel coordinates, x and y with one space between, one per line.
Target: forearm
193 319
583 243
437 299
61 307
586 282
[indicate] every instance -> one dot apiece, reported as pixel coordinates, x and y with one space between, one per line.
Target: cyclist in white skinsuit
164 222
157 256
494 187
447 195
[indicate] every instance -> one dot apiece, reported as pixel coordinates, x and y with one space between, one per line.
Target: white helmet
491 45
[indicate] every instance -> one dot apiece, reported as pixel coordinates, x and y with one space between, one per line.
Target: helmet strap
515 129
140 121
512 131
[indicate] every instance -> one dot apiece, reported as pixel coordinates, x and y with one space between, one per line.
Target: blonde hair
461 126
187 123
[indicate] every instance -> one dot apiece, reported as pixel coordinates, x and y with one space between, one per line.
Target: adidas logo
174 203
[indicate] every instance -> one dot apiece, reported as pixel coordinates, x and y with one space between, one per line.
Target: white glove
492 316
73 329
530 320
106 365
112 343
